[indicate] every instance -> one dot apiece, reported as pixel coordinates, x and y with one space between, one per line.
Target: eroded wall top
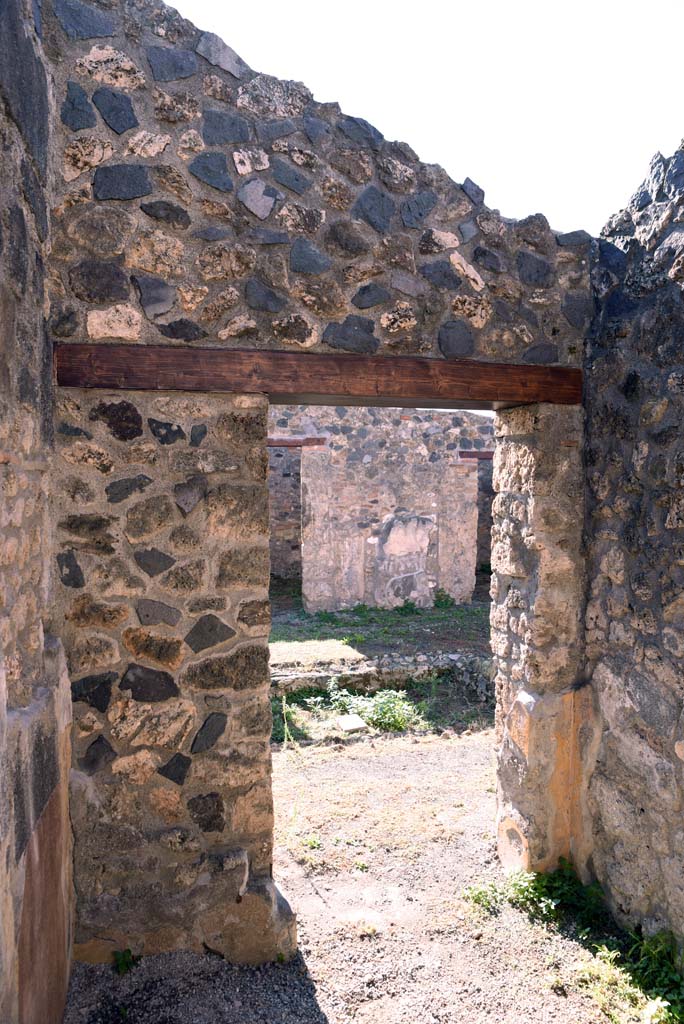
203 203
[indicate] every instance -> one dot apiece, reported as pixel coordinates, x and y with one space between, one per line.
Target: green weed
124 960
628 968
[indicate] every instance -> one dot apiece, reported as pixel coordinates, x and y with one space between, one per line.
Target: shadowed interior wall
386 531
392 444
285 501
35 709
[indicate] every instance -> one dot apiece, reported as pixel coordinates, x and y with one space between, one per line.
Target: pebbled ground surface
376 841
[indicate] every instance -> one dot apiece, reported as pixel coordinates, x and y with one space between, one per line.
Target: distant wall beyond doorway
389 499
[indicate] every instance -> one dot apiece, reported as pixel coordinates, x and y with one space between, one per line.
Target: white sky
551 107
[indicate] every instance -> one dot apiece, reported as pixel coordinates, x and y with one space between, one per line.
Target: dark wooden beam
483 454
312 378
296 442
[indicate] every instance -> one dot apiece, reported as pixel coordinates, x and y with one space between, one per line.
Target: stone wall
197 202
635 529
392 444
385 531
201 202
545 721
285 509
35 710
169 194
162 525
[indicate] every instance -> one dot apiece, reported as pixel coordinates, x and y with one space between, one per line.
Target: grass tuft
628 969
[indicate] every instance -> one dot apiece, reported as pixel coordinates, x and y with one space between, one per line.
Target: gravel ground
375 865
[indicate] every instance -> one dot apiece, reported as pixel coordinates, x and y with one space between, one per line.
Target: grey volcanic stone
213 49
77 111
288 176
376 208
360 132
259 197
115 109
416 208
456 339
355 334
264 236
207 632
35 195
212 728
487 259
70 572
94 690
119 490
212 233
98 281
98 755
316 129
259 296
220 127
122 418
574 238
23 83
169 64
169 213
206 810
543 352
212 168
156 296
441 274
197 434
189 493
407 284
468 230
176 769
305 258
64 324
534 270
344 238
122 181
268 131
182 330
81 21
474 192
69 430
148 684
151 613
577 307
370 295
165 432
153 561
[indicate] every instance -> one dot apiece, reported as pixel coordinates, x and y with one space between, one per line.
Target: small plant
316 705
328 618
360 865
313 842
489 896
443 600
354 638
407 608
627 968
124 960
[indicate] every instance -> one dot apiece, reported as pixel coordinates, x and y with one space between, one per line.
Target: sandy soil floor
376 841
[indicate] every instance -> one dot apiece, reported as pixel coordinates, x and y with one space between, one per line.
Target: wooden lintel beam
481 454
296 442
312 378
